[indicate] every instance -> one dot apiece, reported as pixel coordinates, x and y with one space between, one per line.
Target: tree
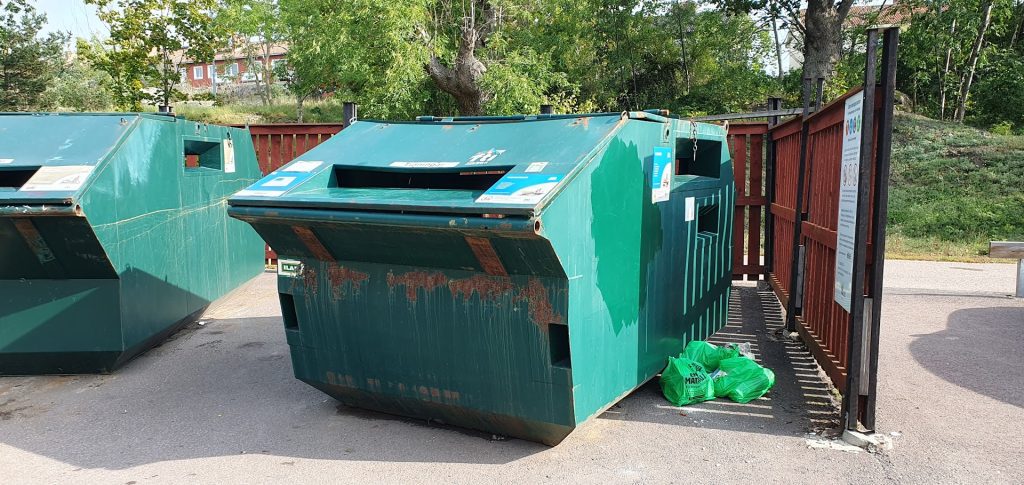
257 29
820 27
149 41
27 61
972 64
79 86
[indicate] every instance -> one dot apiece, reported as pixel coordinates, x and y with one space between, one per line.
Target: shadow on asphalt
219 390
981 349
799 403
226 388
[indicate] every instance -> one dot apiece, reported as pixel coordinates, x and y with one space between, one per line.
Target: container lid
509 165
48 157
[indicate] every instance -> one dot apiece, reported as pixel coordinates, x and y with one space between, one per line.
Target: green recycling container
113 233
516 275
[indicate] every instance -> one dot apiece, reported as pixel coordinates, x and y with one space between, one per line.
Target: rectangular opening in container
291 320
455 179
707 219
708 162
200 155
558 340
14 179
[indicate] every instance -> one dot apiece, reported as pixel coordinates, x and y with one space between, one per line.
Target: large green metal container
113 232
515 275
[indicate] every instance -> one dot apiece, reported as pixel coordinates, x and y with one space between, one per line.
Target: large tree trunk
462 79
972 63
823 36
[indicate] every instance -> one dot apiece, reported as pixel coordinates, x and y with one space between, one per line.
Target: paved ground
217 404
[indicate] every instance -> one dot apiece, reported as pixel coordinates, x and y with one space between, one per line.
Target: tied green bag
742 380
708 355
686 382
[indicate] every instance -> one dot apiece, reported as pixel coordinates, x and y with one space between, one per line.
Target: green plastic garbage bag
686 382
708 355
742 380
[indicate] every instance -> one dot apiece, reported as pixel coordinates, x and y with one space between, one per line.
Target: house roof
233 54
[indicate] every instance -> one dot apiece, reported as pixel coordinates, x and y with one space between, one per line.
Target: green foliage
947 29
28 62
256 28
149 40
79 87
955 184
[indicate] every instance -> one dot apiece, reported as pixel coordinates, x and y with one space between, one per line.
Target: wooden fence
746 143
278 144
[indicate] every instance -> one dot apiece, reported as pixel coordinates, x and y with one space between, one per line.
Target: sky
71 16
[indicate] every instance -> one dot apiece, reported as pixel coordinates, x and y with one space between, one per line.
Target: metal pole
798 214
350 111
890 44
546 109
820 90
851 398
769 196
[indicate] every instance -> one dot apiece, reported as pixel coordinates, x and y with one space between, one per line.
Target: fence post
350 111
890 44
774 104
851 398
798 210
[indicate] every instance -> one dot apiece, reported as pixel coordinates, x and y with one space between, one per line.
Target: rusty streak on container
484 252
415 280
314 245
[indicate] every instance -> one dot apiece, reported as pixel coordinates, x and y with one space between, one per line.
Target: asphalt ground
217 403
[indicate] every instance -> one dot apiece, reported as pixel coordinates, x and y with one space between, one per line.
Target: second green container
515 275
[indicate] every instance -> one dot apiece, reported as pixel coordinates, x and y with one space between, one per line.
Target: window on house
197 72
211 71
183 73
231 70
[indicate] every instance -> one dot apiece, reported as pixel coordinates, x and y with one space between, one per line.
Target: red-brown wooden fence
278 144
823 324
746 143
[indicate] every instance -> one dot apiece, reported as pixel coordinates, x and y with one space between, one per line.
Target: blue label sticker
661 174
276 184
520 188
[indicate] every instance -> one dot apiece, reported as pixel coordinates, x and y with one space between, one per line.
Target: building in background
229 67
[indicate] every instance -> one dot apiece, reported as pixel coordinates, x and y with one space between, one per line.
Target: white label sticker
536 167
279 182
303 166
289 267
425 164
482 158
691 209
6 160
260 193
229 156
60 178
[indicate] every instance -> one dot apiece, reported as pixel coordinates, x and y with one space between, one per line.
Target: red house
228 67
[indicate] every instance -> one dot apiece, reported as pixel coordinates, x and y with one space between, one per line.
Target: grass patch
954 188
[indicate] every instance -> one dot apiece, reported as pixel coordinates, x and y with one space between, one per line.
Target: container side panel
594 226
